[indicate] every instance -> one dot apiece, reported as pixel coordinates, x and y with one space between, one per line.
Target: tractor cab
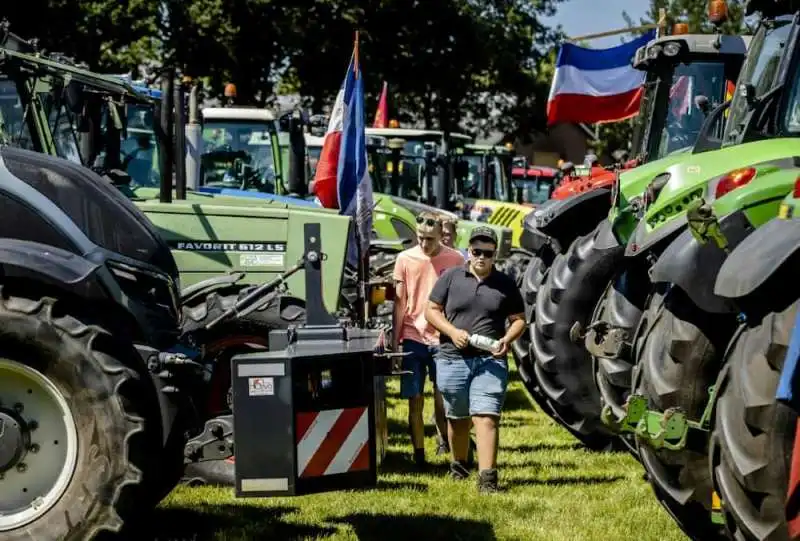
687 77
532 184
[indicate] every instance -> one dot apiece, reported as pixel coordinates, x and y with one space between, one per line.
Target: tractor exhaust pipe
165 138
194 140
180 143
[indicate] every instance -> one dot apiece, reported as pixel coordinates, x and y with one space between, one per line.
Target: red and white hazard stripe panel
332 441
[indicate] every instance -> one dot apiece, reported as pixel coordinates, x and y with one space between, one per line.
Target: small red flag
381 115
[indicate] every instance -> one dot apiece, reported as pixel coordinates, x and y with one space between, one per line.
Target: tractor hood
697 175
634 181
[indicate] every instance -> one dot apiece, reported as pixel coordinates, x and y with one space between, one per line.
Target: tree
434 55
107 35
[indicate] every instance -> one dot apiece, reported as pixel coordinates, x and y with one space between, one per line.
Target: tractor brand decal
332 441
228 246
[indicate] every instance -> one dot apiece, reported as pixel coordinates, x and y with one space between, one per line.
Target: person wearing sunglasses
475 299
415 272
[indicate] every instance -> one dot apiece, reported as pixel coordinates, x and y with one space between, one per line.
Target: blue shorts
419 362
472 386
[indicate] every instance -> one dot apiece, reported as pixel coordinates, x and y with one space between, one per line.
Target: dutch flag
596 85
342 179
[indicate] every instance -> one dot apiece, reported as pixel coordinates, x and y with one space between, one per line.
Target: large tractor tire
680 351
753 434
622 305
228 339
532 280
78 440
574 285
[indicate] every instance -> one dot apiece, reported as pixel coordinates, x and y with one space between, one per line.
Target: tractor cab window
683 117
535 190
139 150
501 181
239 155
13 125
758 73
469 171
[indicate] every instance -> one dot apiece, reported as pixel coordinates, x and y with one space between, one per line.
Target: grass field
554 491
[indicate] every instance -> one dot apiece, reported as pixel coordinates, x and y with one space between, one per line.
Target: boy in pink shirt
416 270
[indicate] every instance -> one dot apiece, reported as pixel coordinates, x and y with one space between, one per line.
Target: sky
581 17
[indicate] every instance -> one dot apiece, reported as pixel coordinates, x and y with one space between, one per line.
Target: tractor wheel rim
38 444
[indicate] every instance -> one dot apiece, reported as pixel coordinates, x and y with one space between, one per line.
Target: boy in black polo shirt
475 299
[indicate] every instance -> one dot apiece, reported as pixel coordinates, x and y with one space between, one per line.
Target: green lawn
555 491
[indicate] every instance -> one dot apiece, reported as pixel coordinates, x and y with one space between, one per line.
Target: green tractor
752 435
576 258
225 247
659 333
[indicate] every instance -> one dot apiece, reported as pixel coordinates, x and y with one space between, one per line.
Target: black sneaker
443 448
458 471
487 482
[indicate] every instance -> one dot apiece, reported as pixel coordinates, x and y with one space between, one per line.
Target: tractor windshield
759 73
683 117
13 125
240 154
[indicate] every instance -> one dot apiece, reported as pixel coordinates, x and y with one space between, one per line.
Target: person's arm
400 302
434 313
515 308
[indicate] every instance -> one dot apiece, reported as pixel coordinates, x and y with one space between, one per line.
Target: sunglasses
477 252
430 222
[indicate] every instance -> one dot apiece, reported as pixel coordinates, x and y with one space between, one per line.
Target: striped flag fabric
342 180
596 85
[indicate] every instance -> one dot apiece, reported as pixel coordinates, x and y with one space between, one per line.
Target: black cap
483 233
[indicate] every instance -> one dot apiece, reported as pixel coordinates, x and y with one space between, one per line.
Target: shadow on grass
544 446
517 400
565 481
386 527
403 462
384 485
538 465
238 521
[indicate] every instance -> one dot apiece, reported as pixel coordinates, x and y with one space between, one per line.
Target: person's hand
502 352
460 338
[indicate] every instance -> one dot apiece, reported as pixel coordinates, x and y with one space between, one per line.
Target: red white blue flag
596 85
342 178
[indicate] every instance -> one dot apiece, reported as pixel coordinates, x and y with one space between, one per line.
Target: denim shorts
472 386
419 362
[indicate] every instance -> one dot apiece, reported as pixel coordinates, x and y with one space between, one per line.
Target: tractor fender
566 219
203 288
54 266
761 255
694 267
604 238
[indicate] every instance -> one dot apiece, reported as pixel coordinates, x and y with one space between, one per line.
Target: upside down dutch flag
596 85
342 179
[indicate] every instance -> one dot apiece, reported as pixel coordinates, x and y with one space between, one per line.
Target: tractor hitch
602 339
669 430
214 443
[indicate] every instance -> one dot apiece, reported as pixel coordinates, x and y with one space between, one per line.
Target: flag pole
363 259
